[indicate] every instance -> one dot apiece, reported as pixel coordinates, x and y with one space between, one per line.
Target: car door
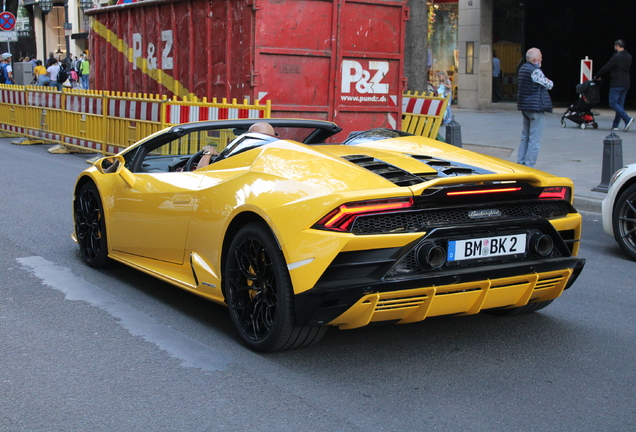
150 218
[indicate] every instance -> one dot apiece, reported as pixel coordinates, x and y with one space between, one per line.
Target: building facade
462 36
45 26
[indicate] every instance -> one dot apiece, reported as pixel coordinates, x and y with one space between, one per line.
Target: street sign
9 36
7 21
68 29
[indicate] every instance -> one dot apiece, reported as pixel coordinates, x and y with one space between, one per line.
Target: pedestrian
618 67
52 72
78 69
496 78
84 70
39 74
66 63
533 100
73 78
7 70
444 89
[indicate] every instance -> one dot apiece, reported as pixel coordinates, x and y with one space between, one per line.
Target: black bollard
612 160
454 133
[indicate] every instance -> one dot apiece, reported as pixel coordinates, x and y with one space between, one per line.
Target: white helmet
6 56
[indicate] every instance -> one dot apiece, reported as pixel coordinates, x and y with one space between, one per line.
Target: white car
619 209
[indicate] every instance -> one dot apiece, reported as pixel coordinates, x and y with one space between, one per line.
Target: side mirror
115 165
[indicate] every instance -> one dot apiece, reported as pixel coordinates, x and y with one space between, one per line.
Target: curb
587 204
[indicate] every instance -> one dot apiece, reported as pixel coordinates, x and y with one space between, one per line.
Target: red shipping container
339 61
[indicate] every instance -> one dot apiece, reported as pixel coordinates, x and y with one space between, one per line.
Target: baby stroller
580 112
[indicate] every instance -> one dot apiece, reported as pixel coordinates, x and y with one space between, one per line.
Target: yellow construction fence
105 122
423 113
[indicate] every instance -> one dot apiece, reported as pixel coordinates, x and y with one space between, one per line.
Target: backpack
62 75
3 75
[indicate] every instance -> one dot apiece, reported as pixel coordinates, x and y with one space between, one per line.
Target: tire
90 228
624 221
595 125
529 308
259 293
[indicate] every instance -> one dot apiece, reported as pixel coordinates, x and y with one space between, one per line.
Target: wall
574 29
475 25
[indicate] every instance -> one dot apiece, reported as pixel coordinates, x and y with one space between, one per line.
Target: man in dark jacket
533 101
618 68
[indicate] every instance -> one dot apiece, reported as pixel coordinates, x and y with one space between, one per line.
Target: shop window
443 21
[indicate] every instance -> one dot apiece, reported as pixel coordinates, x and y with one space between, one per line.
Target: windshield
373 135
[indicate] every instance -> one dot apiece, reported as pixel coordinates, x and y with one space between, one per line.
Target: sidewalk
570 152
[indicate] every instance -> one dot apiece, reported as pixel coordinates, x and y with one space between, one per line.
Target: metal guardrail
105 122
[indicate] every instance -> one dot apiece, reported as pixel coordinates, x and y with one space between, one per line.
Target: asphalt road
116 350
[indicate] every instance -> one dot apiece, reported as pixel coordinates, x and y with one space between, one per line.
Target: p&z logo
365 82
151 56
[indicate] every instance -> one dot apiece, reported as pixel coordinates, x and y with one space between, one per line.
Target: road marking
178 345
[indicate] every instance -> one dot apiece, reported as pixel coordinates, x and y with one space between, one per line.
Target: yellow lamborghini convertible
294 233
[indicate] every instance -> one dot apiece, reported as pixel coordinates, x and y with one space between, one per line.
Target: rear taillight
556 193
341 218
484 191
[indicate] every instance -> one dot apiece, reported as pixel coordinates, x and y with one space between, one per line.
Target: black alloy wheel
259 293
90 227
624 221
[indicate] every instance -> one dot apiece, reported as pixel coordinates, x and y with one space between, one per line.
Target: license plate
486 247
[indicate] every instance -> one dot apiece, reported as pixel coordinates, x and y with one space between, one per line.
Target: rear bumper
462 291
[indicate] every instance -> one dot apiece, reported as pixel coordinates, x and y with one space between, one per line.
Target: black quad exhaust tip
541 244
430 255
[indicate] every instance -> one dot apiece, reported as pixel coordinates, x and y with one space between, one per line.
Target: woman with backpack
7 70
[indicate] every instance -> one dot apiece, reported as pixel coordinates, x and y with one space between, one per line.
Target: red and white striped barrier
92 145
12 97
84 104
176 114
135 110
421 106
586 69
11 128
51 136
45 99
